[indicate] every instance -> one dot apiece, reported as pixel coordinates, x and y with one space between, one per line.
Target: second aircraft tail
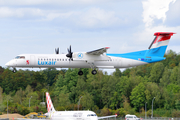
50 106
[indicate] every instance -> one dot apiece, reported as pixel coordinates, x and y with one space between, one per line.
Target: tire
80 73
94 72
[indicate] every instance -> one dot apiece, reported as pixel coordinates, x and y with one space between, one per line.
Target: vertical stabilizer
159 44
50 106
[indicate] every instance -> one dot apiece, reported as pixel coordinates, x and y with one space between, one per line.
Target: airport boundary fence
114 118
154 118
4 118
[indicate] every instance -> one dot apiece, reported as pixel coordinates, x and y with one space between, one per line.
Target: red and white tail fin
159 44
50 107
161 39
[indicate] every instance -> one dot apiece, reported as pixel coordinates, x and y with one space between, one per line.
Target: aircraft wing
106 117
98 51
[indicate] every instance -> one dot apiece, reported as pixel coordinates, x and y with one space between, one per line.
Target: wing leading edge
98 51
104 117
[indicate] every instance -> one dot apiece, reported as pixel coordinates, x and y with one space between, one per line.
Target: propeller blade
57 50
70 48
69 55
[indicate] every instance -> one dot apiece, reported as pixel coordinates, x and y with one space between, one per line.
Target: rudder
159 44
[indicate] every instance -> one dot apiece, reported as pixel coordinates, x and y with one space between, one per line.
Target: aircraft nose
10 64
7 64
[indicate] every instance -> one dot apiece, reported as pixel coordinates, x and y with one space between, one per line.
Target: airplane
70 115
97 58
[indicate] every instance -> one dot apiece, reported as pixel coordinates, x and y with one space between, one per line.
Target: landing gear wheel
94 72
14 70
80 73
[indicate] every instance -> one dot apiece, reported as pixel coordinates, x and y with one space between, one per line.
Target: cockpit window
91 115
20 57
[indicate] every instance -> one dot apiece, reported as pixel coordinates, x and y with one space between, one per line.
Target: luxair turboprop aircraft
71 115
95 59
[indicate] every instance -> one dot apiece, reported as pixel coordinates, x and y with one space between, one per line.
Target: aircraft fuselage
61 61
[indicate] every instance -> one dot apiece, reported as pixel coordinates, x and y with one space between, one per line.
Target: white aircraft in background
95 59
70 115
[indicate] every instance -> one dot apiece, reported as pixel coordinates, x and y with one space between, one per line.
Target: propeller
57 50
69 55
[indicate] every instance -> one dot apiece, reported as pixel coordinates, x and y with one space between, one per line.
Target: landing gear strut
94 72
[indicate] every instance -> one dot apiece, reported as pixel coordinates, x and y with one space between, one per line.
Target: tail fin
159 44
50 106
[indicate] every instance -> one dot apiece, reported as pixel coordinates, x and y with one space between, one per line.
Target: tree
173 88
178 75
1 70
2 106
50 74
117 73
64 100
87 101
138 96
19 96
177 104
58 85
152 90
156 72
174 75
165 80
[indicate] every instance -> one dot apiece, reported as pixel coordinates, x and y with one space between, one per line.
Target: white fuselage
73 115
61 61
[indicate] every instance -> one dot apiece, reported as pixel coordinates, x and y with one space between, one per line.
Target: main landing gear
80 72
94 72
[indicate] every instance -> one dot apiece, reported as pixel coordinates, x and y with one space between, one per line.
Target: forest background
119 93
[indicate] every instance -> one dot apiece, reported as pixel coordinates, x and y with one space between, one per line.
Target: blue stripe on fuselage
149 56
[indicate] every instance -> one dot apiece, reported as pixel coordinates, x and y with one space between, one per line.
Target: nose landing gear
14 70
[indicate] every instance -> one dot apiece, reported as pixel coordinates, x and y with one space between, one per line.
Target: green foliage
121 112
138 96
87 101
2 106
176 113
177 104
105 112
156 72
173 88
165 80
